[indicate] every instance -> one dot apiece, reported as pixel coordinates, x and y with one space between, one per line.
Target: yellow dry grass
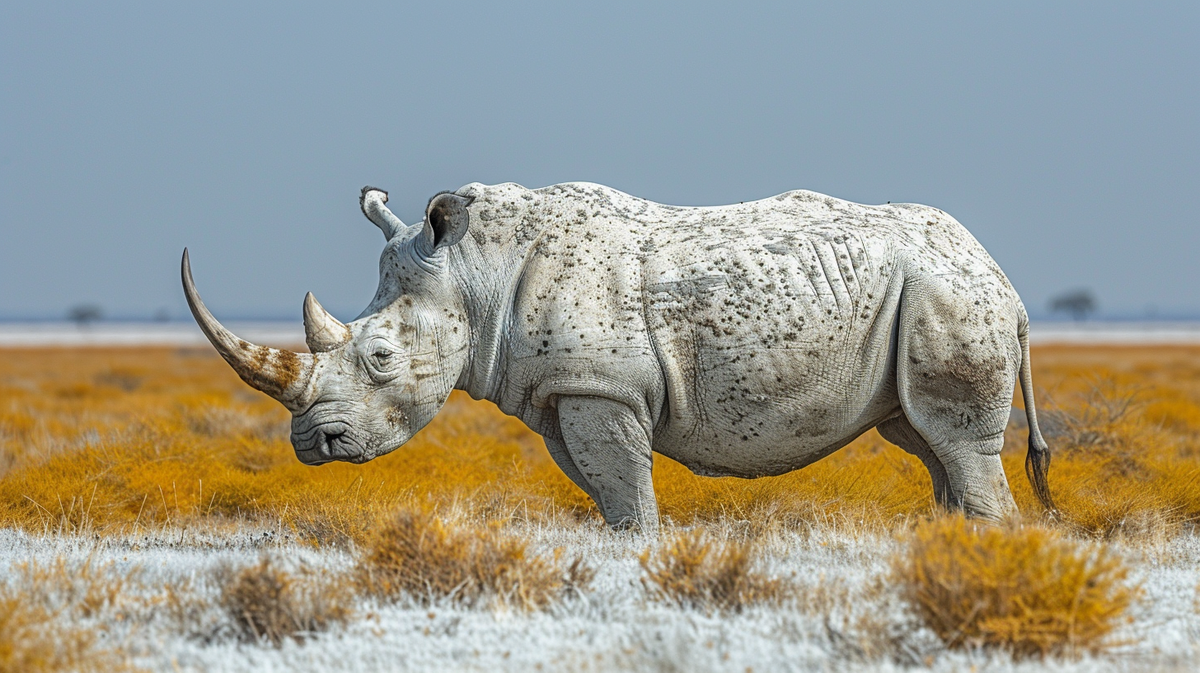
30 641
182 441
429 556
270 604
694 570
117 440
1026 590
1126 460
36 600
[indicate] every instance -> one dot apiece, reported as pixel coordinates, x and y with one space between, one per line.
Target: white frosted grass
612 627
105 333
1133 333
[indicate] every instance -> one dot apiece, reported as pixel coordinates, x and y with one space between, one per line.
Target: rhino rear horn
322 332
372 200
279 373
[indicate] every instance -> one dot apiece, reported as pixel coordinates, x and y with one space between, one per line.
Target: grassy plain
137 445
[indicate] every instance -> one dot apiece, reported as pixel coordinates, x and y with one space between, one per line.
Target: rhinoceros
742 340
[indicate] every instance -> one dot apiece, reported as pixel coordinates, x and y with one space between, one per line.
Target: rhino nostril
333 437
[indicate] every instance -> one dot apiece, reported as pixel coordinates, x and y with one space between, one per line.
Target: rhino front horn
322 332
281 374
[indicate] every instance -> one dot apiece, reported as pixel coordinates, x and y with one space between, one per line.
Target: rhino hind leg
901 433
612 452
957 362
978 485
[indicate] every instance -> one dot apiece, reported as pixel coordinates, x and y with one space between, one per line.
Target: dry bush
1026 590
1117 470
269 604
693 570
41 610
81 588
419 554
31 641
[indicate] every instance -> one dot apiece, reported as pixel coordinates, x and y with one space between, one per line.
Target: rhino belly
774 412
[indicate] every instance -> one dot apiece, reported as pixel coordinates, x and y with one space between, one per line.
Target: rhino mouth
326 442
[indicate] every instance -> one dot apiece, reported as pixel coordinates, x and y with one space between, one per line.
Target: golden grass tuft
693 570
419 554
269 604
1025 590
40 612
30 641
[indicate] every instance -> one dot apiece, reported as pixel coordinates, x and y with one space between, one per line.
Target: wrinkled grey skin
742 340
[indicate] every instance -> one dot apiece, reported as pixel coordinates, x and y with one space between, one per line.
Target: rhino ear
446 219
372 200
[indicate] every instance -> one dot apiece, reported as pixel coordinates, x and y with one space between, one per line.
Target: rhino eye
381 359
382 356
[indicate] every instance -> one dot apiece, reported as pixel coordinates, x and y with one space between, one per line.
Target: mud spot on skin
396 417
288 365
272 373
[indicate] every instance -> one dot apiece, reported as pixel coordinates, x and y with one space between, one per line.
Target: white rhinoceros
744 340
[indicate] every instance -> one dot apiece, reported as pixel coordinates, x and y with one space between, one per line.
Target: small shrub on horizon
269 604
693 570
1025 590
418 554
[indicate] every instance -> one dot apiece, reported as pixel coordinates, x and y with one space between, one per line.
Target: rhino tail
1037 459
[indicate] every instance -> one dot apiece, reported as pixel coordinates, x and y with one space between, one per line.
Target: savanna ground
153 517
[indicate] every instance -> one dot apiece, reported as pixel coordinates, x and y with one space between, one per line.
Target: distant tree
1079 303
84 314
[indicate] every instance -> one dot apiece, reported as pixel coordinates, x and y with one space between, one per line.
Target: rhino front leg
612 451
562 457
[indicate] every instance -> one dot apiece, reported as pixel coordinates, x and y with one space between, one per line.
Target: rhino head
367 387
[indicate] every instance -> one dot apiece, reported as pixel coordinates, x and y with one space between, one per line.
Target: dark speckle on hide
740 303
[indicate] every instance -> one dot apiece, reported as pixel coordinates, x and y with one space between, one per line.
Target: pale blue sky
1064 136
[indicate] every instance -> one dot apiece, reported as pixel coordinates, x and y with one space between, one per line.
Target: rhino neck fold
487 290
489 265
